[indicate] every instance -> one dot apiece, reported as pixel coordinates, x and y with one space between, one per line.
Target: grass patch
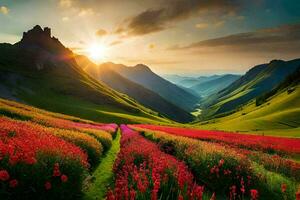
13 115
96 187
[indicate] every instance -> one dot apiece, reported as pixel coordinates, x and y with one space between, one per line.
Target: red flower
48 185
298 195
221 162
254 194
64 178
4 175
180 197
283 187
13 183
265 143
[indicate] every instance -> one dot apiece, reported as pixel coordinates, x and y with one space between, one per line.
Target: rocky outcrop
44 49
38 38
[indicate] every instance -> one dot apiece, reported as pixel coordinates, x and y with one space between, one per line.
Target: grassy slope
67 89
103 175
77 107
252 84
279 116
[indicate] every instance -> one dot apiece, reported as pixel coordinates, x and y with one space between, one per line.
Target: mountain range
142 74
106 74
40 71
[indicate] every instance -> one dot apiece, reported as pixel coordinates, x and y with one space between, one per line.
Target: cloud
81 8
285 39
172 11
65 3
115 43
4 10
101 32
85 12
151 46
65 19
219 24
201 25
241 17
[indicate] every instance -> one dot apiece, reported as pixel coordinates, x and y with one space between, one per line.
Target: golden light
96 52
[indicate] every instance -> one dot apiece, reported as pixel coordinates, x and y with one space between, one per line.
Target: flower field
265 143
144 172
222 167
45 155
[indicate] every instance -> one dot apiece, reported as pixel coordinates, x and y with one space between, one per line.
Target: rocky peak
37 34
41 39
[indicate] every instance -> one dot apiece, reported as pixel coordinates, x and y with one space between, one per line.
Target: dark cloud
172 11
283 38
101 32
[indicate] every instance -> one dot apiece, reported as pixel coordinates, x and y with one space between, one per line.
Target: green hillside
257 81
278 116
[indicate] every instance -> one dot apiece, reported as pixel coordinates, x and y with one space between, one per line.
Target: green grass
96 188
50 100
279 117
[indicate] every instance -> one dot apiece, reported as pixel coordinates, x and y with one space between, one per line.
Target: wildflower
13 183
283 187
56 171
132 194
221 162
298 195
213 197
180 197
48 185
4 175
64 178
254 194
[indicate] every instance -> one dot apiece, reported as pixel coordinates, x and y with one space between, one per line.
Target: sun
96 52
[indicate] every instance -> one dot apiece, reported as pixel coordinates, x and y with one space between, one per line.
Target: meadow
46 155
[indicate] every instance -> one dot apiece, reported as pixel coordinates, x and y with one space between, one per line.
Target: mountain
142 75
189 82
278 115
143 95
40 71
209 87
257 81
174 78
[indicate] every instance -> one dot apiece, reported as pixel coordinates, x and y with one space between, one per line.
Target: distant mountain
192 81
209 87
174 78
40 71
143 95
141 74
257 81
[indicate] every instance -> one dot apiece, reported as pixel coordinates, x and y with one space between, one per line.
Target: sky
186 37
